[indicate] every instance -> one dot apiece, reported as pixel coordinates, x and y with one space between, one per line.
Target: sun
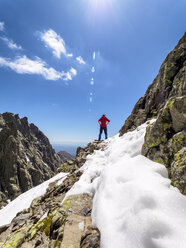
100 7
100 3
98 12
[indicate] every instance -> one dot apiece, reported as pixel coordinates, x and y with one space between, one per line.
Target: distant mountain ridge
26 157
65 156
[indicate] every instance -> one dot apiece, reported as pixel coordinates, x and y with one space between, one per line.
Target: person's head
103 115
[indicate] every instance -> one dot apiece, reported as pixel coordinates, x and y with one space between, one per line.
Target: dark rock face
165 100
26 157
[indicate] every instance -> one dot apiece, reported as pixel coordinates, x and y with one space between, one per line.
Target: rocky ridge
165 100
26 157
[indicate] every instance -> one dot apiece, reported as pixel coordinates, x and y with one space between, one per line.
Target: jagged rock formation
48 223
165 100
65 156
26 157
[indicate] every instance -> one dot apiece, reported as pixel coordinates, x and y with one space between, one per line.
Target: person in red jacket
103 121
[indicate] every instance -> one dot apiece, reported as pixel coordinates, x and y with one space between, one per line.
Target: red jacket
103 121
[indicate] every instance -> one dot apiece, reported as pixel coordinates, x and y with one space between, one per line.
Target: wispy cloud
55 42
80 60
24 65
11 44
2 26
69 74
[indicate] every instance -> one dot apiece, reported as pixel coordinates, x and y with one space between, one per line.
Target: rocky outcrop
65 156
165 100
52 221
26 157
81 154
170 82
165 140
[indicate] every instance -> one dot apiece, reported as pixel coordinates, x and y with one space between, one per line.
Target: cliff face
165 99
26 157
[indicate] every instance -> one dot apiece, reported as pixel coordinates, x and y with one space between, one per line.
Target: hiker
103 121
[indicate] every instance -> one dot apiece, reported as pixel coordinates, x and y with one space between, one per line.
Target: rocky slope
165 99
48 223
26 157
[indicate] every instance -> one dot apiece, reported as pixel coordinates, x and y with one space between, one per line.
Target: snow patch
27 159
46 165
44 216
136 203
24 200
60 181
128 145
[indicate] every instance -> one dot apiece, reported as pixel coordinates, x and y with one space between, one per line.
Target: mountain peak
27 158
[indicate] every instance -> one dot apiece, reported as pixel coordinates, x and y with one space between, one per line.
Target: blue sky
46 60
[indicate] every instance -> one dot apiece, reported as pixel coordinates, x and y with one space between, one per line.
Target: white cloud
11 44
73 71
24 65
70 55
2 26
80 60
69 74
55 42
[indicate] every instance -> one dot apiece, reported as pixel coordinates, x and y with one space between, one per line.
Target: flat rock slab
78 224
73 231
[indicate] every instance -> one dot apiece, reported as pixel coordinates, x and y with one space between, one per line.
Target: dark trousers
101 130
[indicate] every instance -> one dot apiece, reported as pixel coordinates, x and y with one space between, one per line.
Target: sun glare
100 3
99 12
100 8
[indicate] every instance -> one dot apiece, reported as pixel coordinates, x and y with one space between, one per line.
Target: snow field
24 200
134 204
